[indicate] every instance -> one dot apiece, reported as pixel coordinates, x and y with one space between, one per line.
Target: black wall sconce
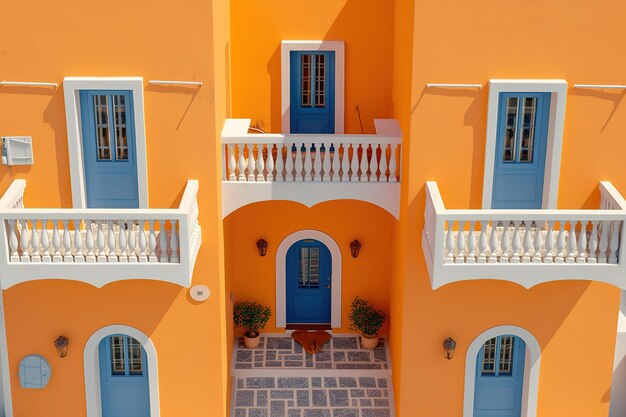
261 246
355 248
449 345
61 345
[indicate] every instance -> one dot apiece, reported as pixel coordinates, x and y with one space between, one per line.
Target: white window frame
91 358
281 275
558 96
286 47
532 363
72 87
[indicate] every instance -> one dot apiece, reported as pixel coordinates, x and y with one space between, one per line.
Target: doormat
311 341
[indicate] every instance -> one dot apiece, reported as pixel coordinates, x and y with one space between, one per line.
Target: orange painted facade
393 49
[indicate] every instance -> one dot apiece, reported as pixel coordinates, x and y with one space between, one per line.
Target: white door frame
71 91
532 362
92 368
285 78
281 275
558 90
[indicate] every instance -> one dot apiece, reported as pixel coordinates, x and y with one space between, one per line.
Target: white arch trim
92 368
281 278
531 368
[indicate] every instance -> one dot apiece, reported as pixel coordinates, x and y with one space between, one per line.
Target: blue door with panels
500 377
123 377
312 87
308 282
521 144
109 151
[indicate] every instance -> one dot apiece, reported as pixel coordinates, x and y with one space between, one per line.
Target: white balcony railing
525 246
98 246
311 168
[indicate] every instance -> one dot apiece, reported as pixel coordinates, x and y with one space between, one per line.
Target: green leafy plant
252 316
366 318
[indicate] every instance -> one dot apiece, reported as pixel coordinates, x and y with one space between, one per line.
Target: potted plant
368 320
252 317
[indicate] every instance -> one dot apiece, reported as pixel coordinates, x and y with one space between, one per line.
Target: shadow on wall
615 97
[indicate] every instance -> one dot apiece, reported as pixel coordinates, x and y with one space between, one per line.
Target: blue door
123 378
520 160
109 153
500 377
312 92
308 282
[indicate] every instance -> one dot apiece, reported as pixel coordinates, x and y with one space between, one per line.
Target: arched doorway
124 388
308 283
502 374
121 361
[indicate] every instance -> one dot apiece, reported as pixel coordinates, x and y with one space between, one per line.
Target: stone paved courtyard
279 379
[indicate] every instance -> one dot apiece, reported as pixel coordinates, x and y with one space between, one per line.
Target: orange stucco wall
253 278
456 42
153 41
364 25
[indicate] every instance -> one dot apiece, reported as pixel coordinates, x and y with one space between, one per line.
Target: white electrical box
17 150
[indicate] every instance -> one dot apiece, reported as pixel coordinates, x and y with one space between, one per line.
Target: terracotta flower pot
369 341
251 342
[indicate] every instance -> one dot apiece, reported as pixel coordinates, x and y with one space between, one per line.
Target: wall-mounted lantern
261 246
449 345
355 248
61 345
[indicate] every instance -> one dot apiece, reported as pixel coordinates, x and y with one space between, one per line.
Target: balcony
527 247
98 246
310 169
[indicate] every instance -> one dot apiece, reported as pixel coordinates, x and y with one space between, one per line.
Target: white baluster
504 244
56 242
13 240
582 243
374 164
251 177
460 242
91 258
280 163
537 243
393 164
345 164
482 240
299 164
449 244
354 164
34 242
260 165
593 243
45 242
493 243
111 258
174 242
232 166
549 257
271 172
604 241
516 246
471 242
571 243
25 258
560 243
163 243
383 163
289 164
527 242
152 239
78 243
143 244
614 242
67 242
242 164
309 155
363 166
123 258
100 242
317 163
132 244
326 165
336 163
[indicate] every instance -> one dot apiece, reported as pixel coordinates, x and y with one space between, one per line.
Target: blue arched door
123 377
500 377
308 286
